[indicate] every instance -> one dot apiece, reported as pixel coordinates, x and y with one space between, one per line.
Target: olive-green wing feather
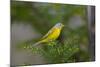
49 32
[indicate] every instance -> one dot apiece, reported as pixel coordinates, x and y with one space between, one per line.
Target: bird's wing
49 32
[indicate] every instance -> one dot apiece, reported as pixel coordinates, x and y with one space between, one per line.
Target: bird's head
59 25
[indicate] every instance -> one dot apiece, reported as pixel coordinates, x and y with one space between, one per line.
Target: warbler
52 34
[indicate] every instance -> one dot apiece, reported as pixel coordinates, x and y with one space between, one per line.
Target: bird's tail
37 43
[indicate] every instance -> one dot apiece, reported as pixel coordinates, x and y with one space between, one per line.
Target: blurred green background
31 20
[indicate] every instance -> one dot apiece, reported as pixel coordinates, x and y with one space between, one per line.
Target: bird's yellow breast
54 35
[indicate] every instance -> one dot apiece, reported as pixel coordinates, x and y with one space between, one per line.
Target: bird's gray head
59 25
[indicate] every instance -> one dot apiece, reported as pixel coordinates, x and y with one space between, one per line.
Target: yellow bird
52 34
